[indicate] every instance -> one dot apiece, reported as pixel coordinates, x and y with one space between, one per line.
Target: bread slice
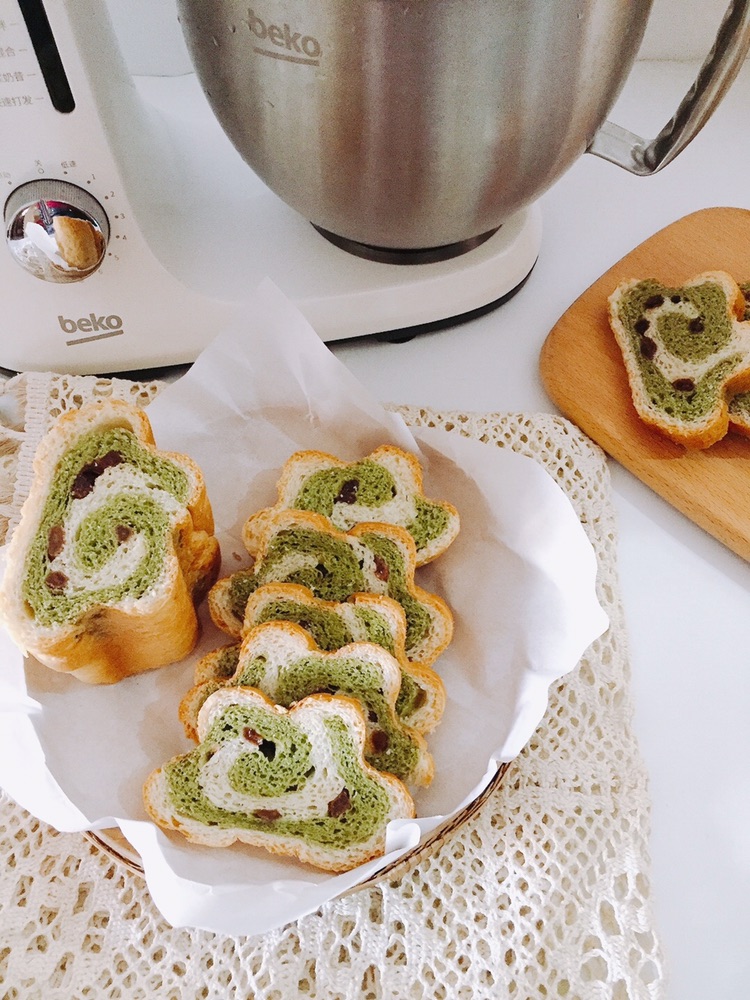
292 781
363 618
686 351
302 547
384 487
281 660
114 548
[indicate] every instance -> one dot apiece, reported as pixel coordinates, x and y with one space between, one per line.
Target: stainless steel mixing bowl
423 123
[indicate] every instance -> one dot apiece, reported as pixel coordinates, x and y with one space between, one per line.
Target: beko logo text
293 46
93 327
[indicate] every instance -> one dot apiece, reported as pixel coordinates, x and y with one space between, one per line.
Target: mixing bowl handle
639 156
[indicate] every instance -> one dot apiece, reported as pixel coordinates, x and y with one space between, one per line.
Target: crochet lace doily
542 893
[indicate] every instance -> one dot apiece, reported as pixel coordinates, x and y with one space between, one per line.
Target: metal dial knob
56 230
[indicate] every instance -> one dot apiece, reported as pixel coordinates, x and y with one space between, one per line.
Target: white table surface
685 595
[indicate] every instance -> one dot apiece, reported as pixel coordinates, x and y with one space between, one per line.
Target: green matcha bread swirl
304 548
686 351
384 487
281 660
363 618
292 781
114 548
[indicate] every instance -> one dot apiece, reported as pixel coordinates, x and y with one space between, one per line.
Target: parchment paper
520 580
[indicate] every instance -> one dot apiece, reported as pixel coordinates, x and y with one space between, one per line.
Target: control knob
56 230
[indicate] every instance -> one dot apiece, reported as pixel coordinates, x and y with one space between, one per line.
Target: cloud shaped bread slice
686 351
304 548
292 781
385 487
114 548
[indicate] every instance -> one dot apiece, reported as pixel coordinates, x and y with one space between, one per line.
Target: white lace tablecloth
542 893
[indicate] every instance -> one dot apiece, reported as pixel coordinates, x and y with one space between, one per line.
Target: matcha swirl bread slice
363 618
292 781
384 487
114 548
304 548
281 660
686 351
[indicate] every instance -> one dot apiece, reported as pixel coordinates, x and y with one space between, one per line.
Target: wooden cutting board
583 372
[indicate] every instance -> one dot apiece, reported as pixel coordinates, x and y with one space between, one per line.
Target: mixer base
394 255
404 334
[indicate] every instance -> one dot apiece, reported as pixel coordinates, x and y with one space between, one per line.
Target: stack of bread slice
311 725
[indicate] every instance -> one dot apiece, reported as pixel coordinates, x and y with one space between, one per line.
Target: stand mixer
185 230
136 230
